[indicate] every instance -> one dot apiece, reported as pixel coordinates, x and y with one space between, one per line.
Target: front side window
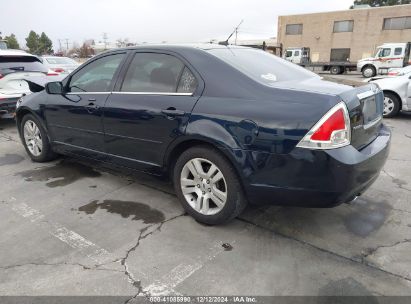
161 73
384 52
294 29
343 26
289 54
96 76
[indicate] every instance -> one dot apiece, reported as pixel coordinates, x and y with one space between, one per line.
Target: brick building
352 34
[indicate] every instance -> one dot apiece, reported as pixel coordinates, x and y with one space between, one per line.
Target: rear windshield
22 63
60 60
262 66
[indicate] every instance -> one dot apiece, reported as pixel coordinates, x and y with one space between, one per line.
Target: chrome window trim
154 93
87 93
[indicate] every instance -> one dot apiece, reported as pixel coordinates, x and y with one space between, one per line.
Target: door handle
91 107
171 111
91 99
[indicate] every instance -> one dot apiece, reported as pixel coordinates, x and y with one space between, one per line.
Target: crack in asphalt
351 259
58 264
130 276
374 250
396 181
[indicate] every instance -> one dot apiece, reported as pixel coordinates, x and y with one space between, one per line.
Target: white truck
388 55
337 64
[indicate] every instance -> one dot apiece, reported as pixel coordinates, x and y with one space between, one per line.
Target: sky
152 21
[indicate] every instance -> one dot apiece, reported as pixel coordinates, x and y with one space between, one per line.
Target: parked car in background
231 125
397 92
15 67
399 71
61 65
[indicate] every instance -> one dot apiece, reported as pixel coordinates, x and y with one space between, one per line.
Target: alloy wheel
368 72
388 105
32 138
204 186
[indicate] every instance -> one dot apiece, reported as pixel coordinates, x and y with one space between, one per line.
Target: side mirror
55 87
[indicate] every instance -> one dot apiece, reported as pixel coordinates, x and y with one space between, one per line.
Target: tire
335 70
392 105
34 135
368 71
202 190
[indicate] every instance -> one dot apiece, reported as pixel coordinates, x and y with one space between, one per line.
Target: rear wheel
335 70
35 139
368 71
208 186
391 105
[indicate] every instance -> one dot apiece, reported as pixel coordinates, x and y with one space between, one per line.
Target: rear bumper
7 107
314 178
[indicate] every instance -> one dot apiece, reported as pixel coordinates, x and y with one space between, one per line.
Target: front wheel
368 71
391 105
208 186
35 139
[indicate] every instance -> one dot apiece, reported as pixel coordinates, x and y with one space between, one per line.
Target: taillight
332 131
1 76
52 73
58 70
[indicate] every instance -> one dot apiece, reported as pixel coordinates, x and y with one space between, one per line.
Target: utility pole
67 43
105 38
60 50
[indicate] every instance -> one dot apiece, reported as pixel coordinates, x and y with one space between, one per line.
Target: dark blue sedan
231 125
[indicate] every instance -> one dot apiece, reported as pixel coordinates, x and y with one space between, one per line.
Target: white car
15 67
397 93
399 71
61 65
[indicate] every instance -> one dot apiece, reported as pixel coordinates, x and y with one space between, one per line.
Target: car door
150 108
385 58
74 118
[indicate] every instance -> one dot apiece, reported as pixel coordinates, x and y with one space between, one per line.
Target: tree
12 42
85 51
45 45
32 42
376 3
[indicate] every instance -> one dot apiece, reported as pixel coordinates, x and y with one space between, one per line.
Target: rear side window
22 63
96 76
261 66
152 72
397 51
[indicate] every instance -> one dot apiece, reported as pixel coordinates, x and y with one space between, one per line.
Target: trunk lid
365 106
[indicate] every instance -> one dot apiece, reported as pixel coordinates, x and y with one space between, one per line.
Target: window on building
399 23
294 29
343 26
397 51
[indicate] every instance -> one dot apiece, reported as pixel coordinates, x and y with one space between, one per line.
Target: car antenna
235 31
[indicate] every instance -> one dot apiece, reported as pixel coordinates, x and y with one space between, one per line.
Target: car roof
14 53
183 46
